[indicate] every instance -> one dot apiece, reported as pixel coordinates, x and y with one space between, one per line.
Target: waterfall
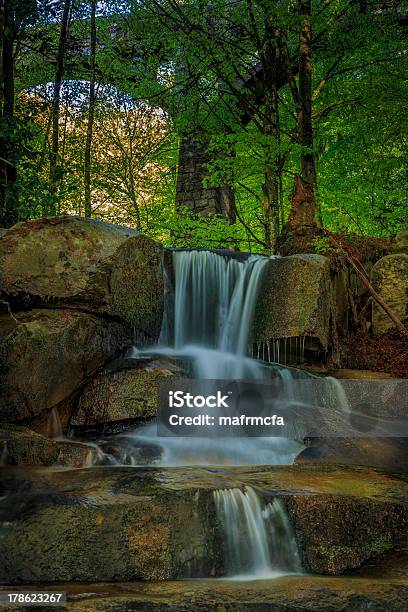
54 426
214 306
207 323
259 541
215 299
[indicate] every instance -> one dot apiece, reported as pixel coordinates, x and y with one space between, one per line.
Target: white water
171 452
259 541
214 299
207 323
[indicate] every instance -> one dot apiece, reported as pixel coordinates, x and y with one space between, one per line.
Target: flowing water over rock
259 541
121 524
215 299
207 324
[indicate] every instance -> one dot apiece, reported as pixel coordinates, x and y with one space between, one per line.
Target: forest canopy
206 123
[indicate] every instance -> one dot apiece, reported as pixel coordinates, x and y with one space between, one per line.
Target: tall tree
91 113
8 172
56 103
271 131
303 211
14 16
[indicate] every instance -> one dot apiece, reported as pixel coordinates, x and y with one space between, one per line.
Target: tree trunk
91 113
304 218
59 71
8 171
304 117
271 129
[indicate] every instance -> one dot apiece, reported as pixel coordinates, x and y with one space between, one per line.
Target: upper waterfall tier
214 301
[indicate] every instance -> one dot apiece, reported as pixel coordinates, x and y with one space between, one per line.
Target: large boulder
339 534
47 354
121 395
390 279
90 265
295 300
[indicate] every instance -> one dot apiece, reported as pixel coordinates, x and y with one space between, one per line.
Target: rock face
21 446
125 394
97 525
157 524
46 355
93 266
340 534
296 300
390 279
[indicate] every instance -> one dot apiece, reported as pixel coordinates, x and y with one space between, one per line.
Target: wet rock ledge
121 524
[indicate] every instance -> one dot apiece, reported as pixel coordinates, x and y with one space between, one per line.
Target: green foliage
185 62
322 245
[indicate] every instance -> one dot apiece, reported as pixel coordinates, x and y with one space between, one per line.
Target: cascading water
207 323
214 305
259 541
215 299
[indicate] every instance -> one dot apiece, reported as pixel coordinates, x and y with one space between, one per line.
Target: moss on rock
390 279
86 264
340 534
104 525
22 446
124 394
295 299
47 354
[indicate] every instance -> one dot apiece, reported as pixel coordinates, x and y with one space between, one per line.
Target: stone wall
191 192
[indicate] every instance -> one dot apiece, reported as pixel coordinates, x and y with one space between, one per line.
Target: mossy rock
124 394
48 354
390 279
22 446
389 454
341 534
101 525
116 523
400 244
86 264
295 300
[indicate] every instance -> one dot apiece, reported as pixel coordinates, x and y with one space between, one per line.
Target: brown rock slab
102 524
390 454
302 593
22 446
